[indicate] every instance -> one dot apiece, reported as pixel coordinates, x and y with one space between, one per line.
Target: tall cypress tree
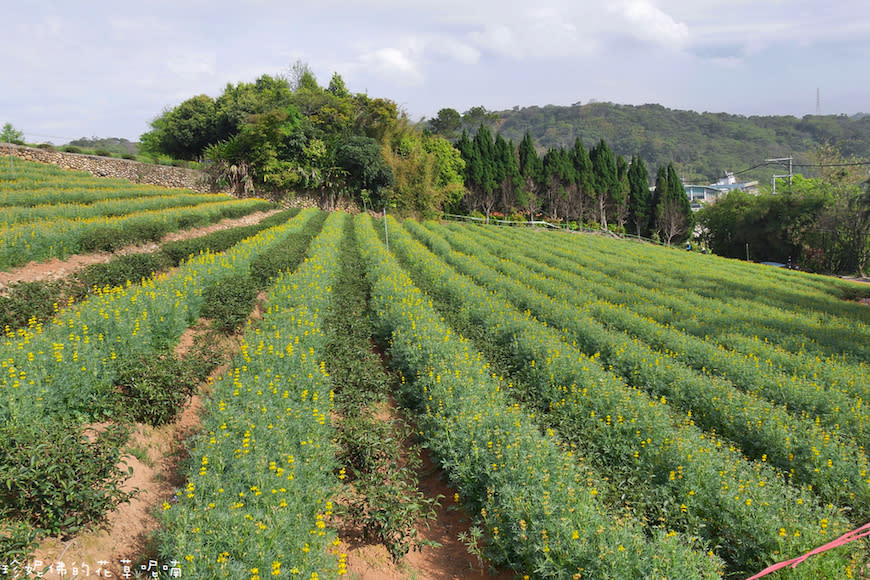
639 197
531 170
509 171
584 191
604 176
674 218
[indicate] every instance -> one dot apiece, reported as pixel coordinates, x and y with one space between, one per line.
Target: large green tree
531 169
604 177
674 217
184 131
640 198
446 123
367 171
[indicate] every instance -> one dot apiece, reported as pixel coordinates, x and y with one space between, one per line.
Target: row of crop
700 316
103 208
671 469
26 303
69 365
60 238
743 279
262 472
801 312
835 467
28 183
376 446
61 476
538 509
836 410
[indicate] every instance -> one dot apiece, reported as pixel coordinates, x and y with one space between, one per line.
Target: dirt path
56 269
448 560
154 454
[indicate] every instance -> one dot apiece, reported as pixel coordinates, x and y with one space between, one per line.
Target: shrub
71 149
286 256
154 387
17 539
129 156
121 269
229 301
26 300
103 153
100 238
215 242
57 478
47 146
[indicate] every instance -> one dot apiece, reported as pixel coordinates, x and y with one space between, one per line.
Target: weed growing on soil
387 505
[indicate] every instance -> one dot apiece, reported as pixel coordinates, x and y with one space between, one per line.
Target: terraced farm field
599 408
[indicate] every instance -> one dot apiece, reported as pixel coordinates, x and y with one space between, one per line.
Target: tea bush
57 478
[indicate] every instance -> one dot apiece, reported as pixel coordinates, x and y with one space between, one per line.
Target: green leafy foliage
24 301
228 302
286 255
10 134
119 270
386 505
57 478
153 387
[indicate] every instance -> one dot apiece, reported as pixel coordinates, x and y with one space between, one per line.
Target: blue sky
106 69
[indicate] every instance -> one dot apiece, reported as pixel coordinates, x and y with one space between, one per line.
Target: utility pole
789 174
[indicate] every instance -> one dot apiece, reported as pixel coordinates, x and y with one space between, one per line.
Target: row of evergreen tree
573 185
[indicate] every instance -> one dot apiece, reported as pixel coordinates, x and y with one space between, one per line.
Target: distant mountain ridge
701 145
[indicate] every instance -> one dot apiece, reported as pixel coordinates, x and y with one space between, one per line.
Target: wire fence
579 228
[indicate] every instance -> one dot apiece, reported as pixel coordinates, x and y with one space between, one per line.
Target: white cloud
452 48
396 65
497 38
649 23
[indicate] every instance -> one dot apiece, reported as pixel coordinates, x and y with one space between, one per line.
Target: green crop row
69 365
695 482
539 511
28 184
801 312
106 208
257 499
685 310
31 302
837 411
60 238
806 453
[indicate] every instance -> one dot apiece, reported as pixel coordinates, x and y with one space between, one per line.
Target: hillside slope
702 145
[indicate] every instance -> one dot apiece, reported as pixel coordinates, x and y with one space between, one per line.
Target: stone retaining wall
162 175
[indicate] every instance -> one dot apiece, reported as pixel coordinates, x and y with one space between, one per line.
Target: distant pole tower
818 102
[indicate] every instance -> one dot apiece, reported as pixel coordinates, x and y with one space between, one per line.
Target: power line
751 168
849 164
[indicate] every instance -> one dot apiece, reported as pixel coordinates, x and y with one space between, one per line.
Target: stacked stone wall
134 171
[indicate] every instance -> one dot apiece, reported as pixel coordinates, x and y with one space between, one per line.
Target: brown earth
444 558
447 560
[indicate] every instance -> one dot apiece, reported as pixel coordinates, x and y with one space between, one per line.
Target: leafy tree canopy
10 134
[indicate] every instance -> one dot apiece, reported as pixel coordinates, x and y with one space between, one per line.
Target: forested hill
701 145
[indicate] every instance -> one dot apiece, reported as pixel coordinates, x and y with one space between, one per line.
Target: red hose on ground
844 539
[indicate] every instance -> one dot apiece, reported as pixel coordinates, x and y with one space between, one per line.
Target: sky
96 68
